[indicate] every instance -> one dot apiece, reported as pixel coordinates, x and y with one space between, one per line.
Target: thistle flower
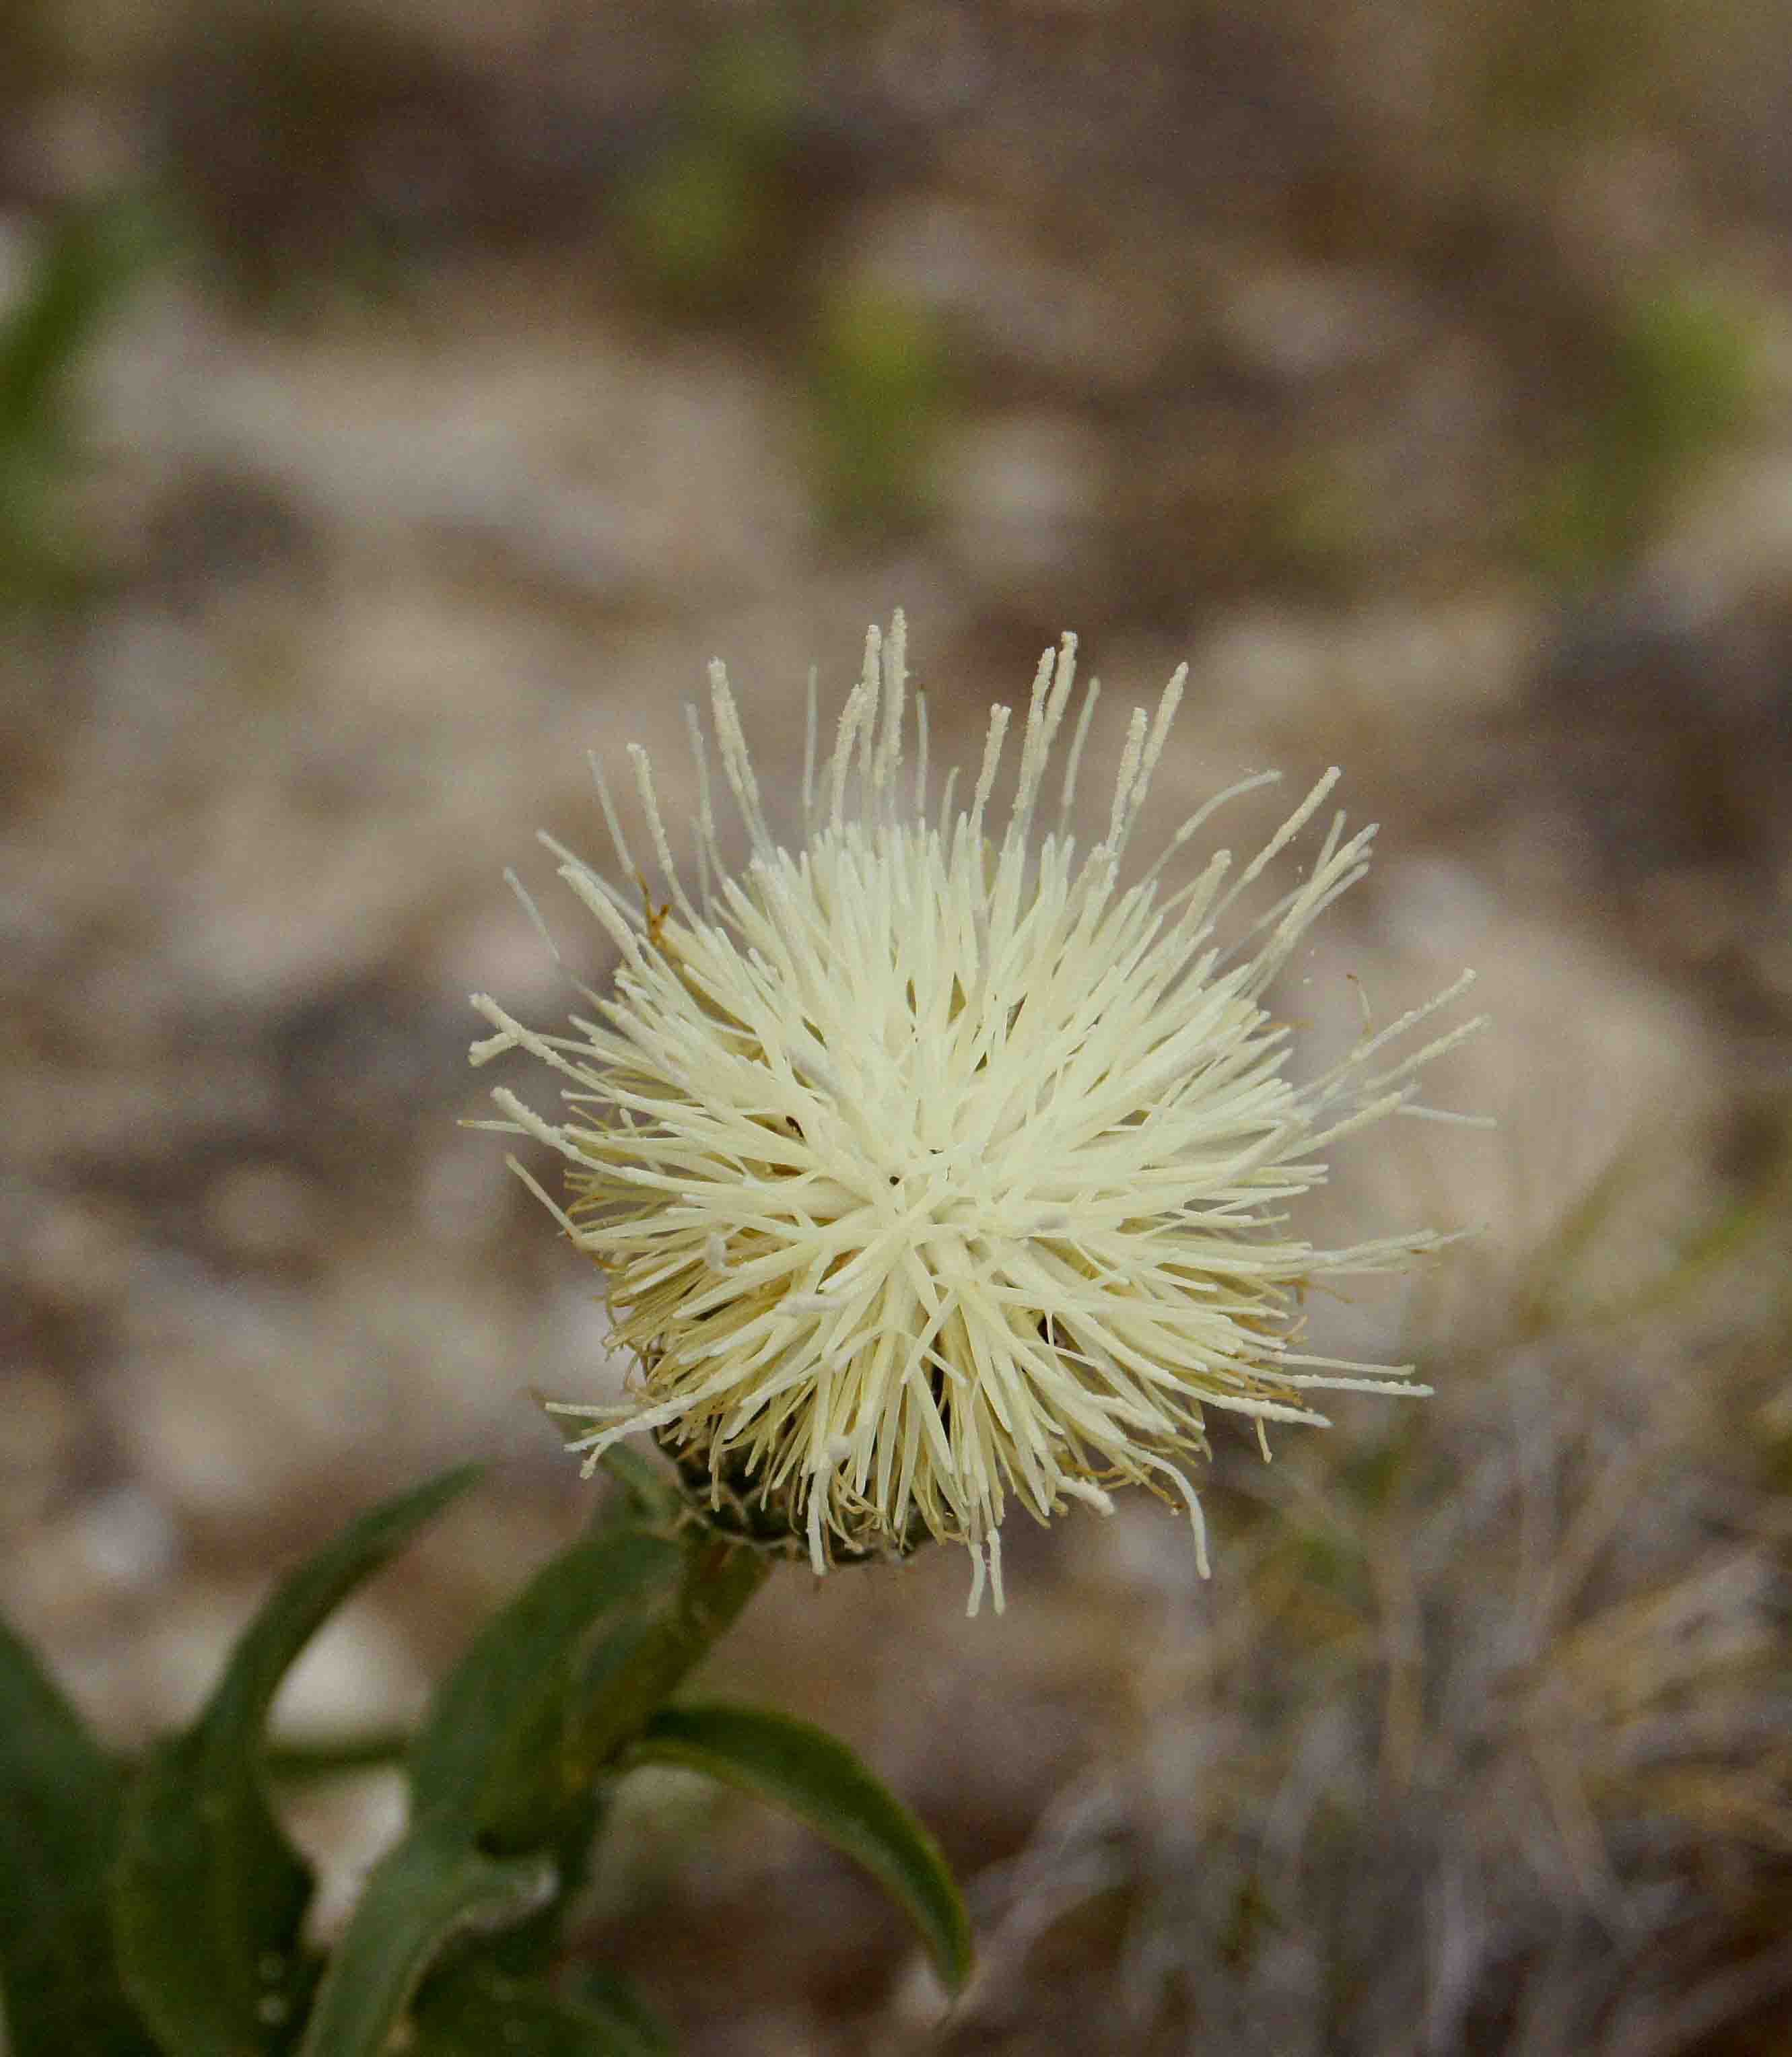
928 1170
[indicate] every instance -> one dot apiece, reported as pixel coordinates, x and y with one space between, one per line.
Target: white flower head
930 1169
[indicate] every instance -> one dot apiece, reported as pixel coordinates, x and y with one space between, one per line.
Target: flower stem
631 1674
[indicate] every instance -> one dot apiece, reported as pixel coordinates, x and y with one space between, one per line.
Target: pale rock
1022 493
1300 324
356 1677
263 1211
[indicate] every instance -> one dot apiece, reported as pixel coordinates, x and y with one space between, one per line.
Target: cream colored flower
928 1171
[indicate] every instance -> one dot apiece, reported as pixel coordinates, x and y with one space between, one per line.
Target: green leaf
595 1986
515 1744
431 1888
298 1761
628 1676
474 2011
208 1893
497 1760
492 1754
816 1778
88 259
649 1490
60 1799
569 1674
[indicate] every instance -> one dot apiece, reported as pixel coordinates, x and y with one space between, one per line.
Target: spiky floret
927 1172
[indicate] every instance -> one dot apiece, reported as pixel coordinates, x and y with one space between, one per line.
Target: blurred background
397 401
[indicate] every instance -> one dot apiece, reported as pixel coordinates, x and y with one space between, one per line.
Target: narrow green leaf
491 1755
816 1778
515 1746
431 1888
88 259
297 1762
649 1490
557 1791
60 1801
610 1993
476 2011
628 1676
209 1894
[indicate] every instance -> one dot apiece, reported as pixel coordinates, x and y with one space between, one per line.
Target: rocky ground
1423 383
